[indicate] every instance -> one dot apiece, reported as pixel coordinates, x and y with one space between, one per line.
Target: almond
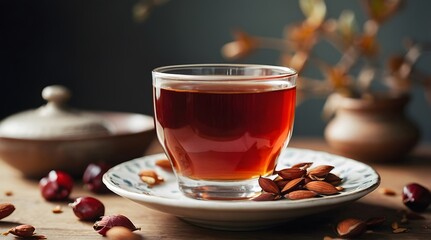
333 179
320 172
281 183
300 194
265 197
351 227
21 231
291 173
6 209
268 185
165 164
292 185
321 187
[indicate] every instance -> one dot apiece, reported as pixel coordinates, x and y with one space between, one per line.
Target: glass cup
223 125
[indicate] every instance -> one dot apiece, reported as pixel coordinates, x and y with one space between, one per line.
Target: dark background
105 57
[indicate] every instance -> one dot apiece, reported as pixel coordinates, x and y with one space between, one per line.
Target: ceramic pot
57 137
374 129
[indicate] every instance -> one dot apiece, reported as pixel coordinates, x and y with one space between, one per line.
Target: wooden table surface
32 209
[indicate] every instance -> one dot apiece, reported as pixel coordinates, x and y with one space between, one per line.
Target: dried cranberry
92 177
416 197
56 186
88 208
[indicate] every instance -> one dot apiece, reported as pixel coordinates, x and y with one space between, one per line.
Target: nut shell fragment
57 209
387 191
150 177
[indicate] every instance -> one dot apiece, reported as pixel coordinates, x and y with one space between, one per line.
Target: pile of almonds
299 182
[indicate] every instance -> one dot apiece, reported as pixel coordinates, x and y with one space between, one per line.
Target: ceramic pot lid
53 120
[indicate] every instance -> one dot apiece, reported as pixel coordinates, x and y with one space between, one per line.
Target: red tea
224 136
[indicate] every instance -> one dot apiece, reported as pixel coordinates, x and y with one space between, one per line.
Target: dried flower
381 10
357 68
143 8
241 47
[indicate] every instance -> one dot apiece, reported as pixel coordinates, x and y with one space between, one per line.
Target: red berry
88 208
416 197
56 186
92 177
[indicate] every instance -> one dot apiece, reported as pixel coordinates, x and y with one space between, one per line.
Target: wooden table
32 209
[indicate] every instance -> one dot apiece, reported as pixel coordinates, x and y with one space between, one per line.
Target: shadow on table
323 224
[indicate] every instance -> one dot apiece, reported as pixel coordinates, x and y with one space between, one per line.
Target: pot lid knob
56 94
56 97
54 120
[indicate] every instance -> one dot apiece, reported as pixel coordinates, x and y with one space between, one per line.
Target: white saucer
359 179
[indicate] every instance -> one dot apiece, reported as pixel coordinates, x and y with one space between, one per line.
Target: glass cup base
219 190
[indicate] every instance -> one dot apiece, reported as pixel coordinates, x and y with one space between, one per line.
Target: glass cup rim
282 72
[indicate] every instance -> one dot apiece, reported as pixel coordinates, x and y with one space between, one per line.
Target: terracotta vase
374 129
